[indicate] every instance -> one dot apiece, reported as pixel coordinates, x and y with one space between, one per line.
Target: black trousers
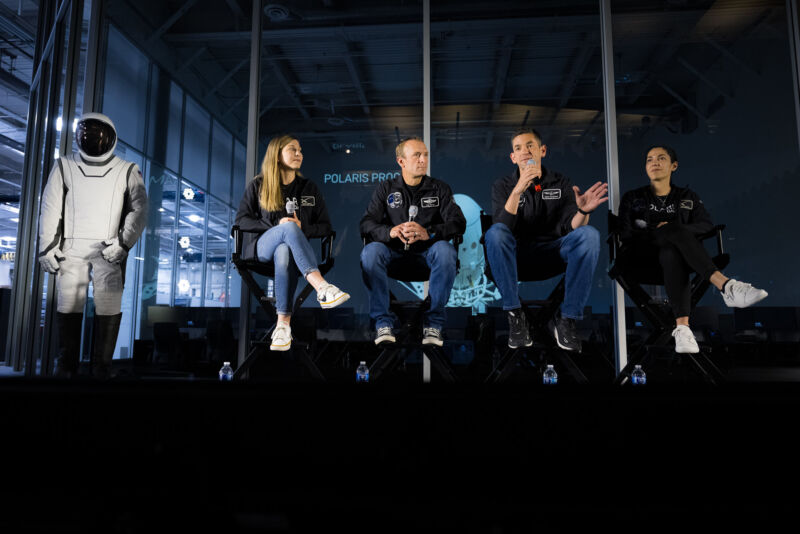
670 256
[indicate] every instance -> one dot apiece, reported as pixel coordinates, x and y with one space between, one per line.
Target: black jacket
438 213
641 210
311 211
542 216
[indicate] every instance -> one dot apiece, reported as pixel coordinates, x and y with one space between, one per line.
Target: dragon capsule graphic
471 287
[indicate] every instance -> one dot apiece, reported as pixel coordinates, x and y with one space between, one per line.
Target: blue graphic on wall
471 287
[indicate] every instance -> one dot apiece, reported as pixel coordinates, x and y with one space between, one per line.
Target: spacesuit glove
50 260
114 252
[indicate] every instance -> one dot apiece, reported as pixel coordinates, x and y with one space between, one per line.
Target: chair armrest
326 252
715 232
236 233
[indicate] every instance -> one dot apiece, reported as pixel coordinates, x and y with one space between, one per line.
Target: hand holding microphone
291 209
412 212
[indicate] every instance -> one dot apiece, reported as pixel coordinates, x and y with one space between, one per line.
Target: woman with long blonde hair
288 210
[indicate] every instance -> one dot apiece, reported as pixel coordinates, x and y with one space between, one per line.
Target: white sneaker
741 295
685 343
384 334
330 296
281 337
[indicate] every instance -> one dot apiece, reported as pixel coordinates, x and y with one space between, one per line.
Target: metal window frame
48 89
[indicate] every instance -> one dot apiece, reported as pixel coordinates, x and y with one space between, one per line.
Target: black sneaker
518 331
432 336
384 335
565 333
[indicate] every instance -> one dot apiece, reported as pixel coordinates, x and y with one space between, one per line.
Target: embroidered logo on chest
395 200
430 202
308 201
687 205
551 194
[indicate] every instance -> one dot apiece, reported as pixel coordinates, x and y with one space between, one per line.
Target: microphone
537 182
412 212
291 207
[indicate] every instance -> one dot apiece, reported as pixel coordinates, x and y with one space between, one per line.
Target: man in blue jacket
540 219
410 219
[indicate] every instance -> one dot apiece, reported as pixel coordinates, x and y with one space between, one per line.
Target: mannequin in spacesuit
94 208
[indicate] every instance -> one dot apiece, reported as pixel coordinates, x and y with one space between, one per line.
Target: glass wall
499 68
348 111
713 80
182 259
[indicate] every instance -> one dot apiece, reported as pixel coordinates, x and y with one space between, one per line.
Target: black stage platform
195 456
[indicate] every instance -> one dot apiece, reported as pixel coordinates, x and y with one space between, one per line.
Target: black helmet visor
95 137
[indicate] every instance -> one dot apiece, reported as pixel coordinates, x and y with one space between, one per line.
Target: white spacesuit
94 209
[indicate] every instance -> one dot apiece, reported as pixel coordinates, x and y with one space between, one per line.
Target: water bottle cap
637 366
363 363
549 366
226 363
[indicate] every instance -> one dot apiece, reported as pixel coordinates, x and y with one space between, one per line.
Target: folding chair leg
505 366
386 359
303 357
439 361
569 364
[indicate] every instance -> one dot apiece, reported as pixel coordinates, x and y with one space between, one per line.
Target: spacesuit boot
106 328
69 344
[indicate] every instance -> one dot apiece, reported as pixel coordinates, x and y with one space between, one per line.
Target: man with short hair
410 219
540 221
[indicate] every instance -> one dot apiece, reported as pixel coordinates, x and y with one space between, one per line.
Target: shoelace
384 330
683 334
434 332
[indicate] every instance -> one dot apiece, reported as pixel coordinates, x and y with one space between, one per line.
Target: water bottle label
550 380
639 380
225 377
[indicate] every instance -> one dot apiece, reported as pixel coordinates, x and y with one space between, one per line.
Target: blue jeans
440 259
576 253
288 248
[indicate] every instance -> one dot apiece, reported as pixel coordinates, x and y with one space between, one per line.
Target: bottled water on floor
638 376
550 377
226 372
362 372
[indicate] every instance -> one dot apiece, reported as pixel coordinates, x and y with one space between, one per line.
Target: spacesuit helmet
95 137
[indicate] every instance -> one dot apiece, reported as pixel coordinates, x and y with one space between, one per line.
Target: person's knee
444 255
669 256
374 256
587 240
499 234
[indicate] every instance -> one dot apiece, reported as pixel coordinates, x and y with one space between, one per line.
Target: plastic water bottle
550 377
362 372
226 372
638 378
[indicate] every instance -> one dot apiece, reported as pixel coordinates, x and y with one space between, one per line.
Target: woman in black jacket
287 210
659 226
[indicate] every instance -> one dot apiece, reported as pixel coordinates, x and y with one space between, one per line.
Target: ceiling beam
285 78
683 101
703 78
171 21
227 77
501 76
13 83
185 64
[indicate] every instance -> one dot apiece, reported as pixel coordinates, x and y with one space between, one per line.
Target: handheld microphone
412 212
537 182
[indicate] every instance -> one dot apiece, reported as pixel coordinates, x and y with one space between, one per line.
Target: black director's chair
246 268
657 312
393 355
538 313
